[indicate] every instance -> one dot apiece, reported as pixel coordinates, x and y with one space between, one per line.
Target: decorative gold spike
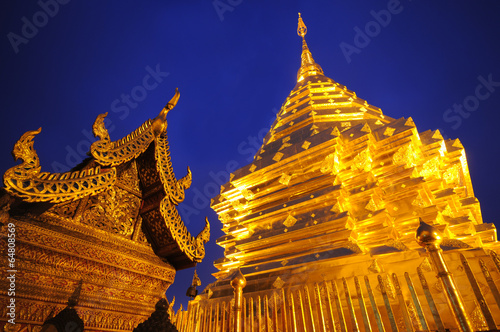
26 180
308 67
409 122
335 132
457 144
301 28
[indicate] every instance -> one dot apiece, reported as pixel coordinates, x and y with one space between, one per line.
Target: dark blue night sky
234 62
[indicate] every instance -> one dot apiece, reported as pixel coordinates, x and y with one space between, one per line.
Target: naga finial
160 122
204 235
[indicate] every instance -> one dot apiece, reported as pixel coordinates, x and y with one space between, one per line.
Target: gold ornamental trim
108 153
27 182
193 247
118 152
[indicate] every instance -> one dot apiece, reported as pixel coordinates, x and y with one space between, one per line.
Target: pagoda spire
307 66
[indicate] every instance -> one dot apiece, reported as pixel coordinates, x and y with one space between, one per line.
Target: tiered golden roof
110 226
336 192
336 169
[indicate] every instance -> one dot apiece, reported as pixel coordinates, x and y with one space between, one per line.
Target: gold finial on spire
196 279
301 28
307 67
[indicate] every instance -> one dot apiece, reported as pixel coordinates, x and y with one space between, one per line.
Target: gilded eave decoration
27 182
193 247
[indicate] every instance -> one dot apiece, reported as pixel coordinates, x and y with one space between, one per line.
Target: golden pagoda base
393 292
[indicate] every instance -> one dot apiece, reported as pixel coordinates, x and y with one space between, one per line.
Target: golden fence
375 302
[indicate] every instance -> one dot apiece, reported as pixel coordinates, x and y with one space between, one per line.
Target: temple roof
139 165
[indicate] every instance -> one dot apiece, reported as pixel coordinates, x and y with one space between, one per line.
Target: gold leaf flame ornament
27 182
131 146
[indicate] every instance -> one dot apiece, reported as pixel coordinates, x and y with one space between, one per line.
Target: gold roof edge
114 153
28 183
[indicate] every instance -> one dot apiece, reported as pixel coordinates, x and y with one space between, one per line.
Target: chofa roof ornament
28 183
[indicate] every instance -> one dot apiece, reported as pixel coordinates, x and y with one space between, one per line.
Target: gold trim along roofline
25 181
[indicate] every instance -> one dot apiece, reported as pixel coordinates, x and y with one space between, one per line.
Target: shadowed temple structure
322 225
346 220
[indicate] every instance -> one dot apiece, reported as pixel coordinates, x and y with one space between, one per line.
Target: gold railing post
429 237
238 283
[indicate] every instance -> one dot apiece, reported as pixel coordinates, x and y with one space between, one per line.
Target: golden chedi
322 223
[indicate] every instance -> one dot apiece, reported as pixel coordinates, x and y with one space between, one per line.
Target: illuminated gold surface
27 182
122 279
308 67
238 283
117 230
335 194
193 248
109 153
430 238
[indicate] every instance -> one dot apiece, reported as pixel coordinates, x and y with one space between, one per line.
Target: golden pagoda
107 235
321 226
